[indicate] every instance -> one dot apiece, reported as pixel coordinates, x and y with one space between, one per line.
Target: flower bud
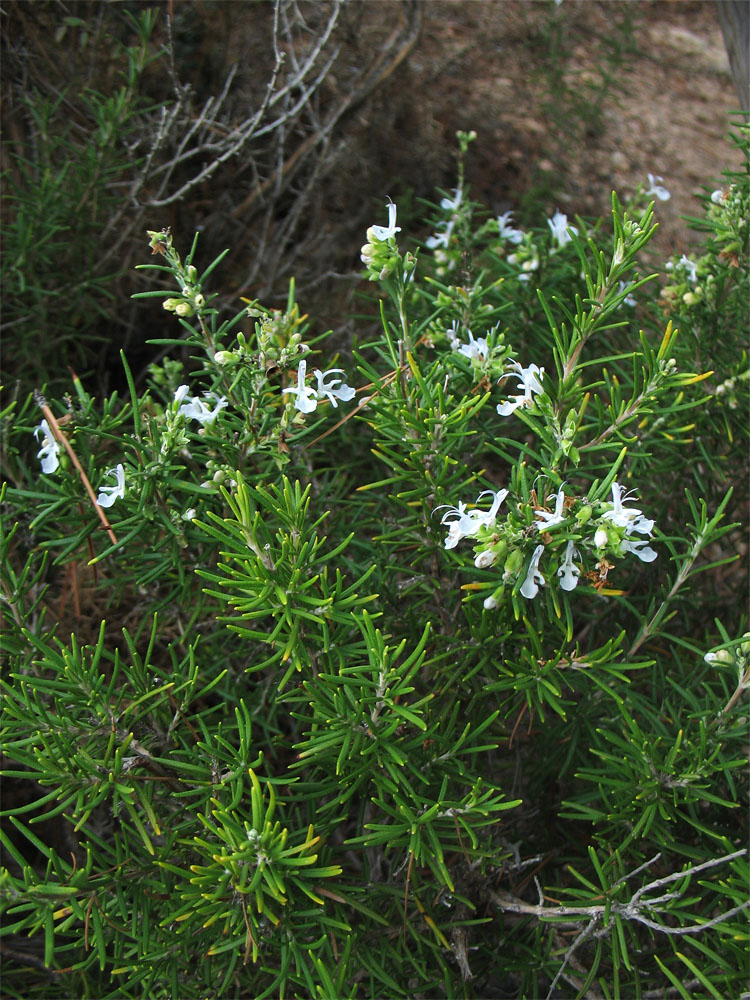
485 559
184 309
171 304
225 358
199 300
584 514
513 563
720 656
492 601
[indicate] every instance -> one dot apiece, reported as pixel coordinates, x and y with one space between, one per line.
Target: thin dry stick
363 402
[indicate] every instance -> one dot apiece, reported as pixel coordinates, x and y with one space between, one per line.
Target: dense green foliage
395 691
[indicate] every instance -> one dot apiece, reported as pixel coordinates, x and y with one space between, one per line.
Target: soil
525 76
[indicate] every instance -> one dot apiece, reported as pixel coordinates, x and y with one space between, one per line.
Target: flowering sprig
191 299
576 527
380 254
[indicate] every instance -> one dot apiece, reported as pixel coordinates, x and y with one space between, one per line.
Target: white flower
628 300
632 519
334 389
529 380
50 448
440 239
462 523
534 579
384 233
600 537
717 197
108 494
307 399
568 572
506 231
196 409
532 264
639 548
656 189
690 267
451 204
475 350
465 523
559 226
547 520
491 602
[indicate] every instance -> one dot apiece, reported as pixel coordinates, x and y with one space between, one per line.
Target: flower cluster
572 527
49 455
443 237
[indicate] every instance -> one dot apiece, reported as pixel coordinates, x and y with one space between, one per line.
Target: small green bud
513 563
225 357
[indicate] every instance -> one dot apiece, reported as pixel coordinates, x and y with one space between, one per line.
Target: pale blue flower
559 226
534 579
690 267
334 389
475 350
197 409
628 300
656 189
108 494
506 231
639 547
631 519
545 519
440 239
451 204
529 380
50 448
384 233
307 399
463 523
568 572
